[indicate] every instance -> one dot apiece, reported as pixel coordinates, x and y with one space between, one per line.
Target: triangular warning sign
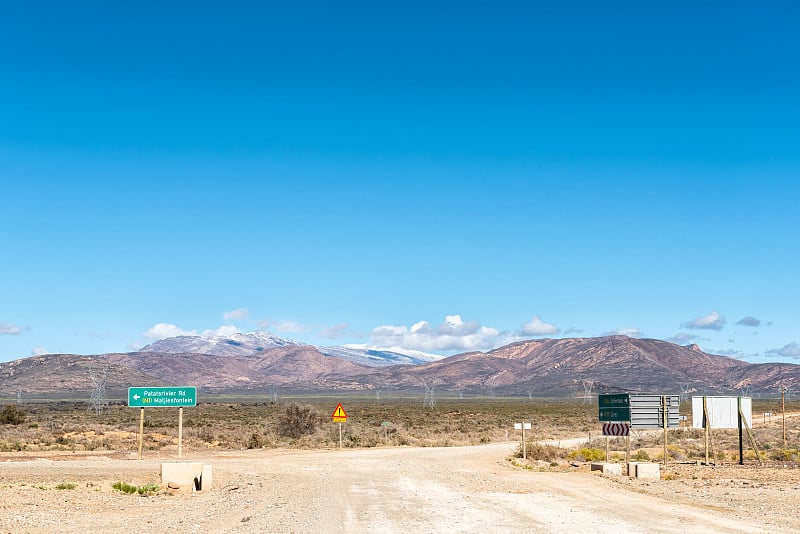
339 414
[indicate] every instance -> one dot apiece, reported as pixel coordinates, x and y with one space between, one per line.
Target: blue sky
440 178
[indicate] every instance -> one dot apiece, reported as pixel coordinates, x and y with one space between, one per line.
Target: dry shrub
256 441
297 421
12 415
547 453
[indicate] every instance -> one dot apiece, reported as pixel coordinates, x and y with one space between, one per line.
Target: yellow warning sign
339 415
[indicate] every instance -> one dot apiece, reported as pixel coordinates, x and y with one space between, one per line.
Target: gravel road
458 489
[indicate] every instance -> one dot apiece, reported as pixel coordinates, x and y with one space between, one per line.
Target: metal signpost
640 412
615 409
339 416
162 397
523 427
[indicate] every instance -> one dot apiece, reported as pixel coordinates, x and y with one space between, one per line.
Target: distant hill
561 367
233 345
547 367
252 343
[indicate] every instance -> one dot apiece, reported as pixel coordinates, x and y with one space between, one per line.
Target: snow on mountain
252 343
232 345
378 357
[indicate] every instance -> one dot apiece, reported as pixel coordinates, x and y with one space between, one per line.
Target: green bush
148 489
588 454
124 487
130 489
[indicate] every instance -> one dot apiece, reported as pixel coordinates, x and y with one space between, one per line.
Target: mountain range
248 344
259 362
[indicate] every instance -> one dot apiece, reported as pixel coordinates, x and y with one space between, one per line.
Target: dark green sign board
615 414
615 407
162 397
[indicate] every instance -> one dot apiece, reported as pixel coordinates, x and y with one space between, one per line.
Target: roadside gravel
459 489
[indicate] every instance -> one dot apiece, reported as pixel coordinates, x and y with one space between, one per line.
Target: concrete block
206 478
648 470
187 475
607 469
632 468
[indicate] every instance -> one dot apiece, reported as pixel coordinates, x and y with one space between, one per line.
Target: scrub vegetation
228 423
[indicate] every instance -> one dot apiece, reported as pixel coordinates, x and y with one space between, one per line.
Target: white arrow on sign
136 397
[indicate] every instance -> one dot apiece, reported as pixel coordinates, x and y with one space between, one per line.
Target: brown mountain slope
298 366
65 373
547 367
561 367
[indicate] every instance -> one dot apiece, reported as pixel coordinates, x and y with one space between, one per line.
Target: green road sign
162 397
615 407
615 414
615 400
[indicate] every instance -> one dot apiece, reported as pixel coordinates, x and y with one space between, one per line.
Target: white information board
723 412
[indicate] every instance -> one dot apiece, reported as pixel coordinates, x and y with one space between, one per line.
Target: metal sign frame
647 411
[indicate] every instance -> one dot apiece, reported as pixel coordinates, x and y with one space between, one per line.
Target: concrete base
188 476
607 469
648 470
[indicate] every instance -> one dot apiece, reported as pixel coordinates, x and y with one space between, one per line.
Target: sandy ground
462 489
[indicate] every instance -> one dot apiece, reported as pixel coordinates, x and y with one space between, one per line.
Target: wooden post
141 431
180 432
524 451
628 448
666 424
783 410
706 424
340 436
607 457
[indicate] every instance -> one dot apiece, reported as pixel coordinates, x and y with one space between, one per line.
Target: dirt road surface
459 489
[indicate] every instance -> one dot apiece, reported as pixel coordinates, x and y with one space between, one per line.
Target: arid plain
455 467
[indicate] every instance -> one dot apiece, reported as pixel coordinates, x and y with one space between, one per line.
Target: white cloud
8 329
235 315
791 350
682 338
333 332
572 330
733 353
165 330
283 326
289 327
452 335
712 321
537 327
39 351
630 332
749 321
420 327
225 330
